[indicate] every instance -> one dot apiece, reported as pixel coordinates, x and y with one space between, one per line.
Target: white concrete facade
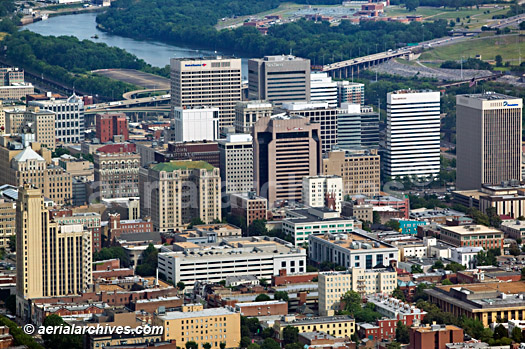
196 124
316 190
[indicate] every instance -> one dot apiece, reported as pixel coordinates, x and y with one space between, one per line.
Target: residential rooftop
316 320
354 241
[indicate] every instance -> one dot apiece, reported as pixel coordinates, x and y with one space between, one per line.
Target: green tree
195 221
148 266
206 346
402 333
514 250
12 243
270 343
455 267
517 335
446 282
293 346
222 345
393 224
352 301
393 345
20 338
522 25
412 5
499 61
416 269
181 286
267 333
420 294
60 341
258 227
111 253
262 298
245 341
281 295
192 345
438 265
494 219
500 332
290 335
399 294
376 217
254 346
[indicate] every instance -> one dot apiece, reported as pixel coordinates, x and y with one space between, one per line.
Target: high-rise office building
175 192
116 174
279 79
359 168
488 137
236 154
357 127
195 124
413 134
323 89
41 123
214 82
323 191
69 117
110 125
350 92
248 112
286 149
321 113
52 260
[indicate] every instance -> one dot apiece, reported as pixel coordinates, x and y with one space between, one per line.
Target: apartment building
301 223
175 192
474 235
214 82
236 156
213 326
195 124
116 174
435 336
262 257
323 89
350 92
111 127
488 132
279 79
69 117
360 170
318 112
249 206
248 112
52 259
352 249
413 134
394 308
277 141
334 285
323 191
337 326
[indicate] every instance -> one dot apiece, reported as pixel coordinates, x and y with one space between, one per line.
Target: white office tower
236 160
412 135
323 89
323 191
69 117
195 124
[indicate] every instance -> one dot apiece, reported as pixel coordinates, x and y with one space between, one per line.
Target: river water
84 26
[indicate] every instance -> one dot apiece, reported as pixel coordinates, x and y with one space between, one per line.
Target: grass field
508 47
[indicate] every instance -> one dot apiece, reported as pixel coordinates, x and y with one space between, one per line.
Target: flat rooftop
471 229
489 96
434 213
354 241
175 315
318 320
182 165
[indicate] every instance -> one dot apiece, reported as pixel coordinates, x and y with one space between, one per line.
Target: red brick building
434 336
110 125
284 279
196 151
383 329
117 227
249 206
6 339
262 308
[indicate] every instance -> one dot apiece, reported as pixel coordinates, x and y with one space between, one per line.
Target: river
84 26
